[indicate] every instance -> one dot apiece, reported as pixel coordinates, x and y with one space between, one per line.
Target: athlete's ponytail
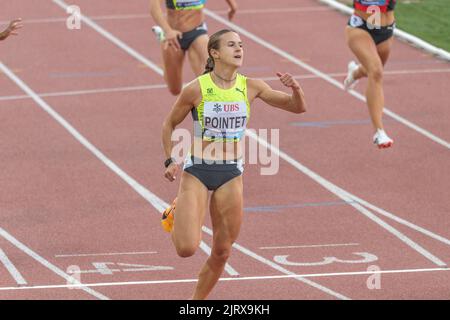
214 43
209 65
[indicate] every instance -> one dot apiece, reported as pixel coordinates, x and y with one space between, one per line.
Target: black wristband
168 162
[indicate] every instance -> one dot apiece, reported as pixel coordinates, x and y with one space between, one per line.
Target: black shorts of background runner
189 37
378 34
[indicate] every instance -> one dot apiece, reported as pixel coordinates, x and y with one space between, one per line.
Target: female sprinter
11 29
369 36
219 101
183 31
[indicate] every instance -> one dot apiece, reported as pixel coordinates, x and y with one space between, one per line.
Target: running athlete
219 101
184 31
12 28
369 36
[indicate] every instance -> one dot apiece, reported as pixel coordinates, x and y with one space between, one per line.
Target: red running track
62 206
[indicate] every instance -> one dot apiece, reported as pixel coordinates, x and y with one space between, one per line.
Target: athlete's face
231 51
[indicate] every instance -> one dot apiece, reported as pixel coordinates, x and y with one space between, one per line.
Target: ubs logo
217 108
231 107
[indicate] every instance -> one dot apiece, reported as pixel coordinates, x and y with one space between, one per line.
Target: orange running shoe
168 216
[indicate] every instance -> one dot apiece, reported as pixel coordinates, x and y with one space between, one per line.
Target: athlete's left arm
233 8
293 103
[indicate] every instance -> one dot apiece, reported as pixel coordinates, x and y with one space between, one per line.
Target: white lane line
348 197
45 263
98 18
104 254
401 221
322 75
154 200
312 246
12 269
412 72
83 92
147 16
164 86
278 277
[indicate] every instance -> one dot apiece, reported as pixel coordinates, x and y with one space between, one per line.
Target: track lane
252 119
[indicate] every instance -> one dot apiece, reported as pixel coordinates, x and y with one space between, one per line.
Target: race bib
188 3
356 21
373 2
224 119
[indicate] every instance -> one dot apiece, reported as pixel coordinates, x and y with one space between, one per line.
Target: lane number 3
365 258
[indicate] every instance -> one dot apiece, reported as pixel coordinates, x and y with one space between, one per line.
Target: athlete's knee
375 72
185 247
221 255
186 251
175 89
173 84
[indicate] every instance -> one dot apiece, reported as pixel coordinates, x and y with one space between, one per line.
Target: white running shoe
382 140
159 33
350 82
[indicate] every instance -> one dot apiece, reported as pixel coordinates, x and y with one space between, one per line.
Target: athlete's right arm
171 35
188 98
157 15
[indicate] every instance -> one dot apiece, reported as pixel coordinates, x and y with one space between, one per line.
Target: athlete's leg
198 54
189 215
364 48
384 49
226 207
173 68
360 72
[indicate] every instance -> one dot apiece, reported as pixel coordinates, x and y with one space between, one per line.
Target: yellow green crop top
223 114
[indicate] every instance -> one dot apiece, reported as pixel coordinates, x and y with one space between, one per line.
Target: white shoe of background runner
159 33
382 140
350 82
